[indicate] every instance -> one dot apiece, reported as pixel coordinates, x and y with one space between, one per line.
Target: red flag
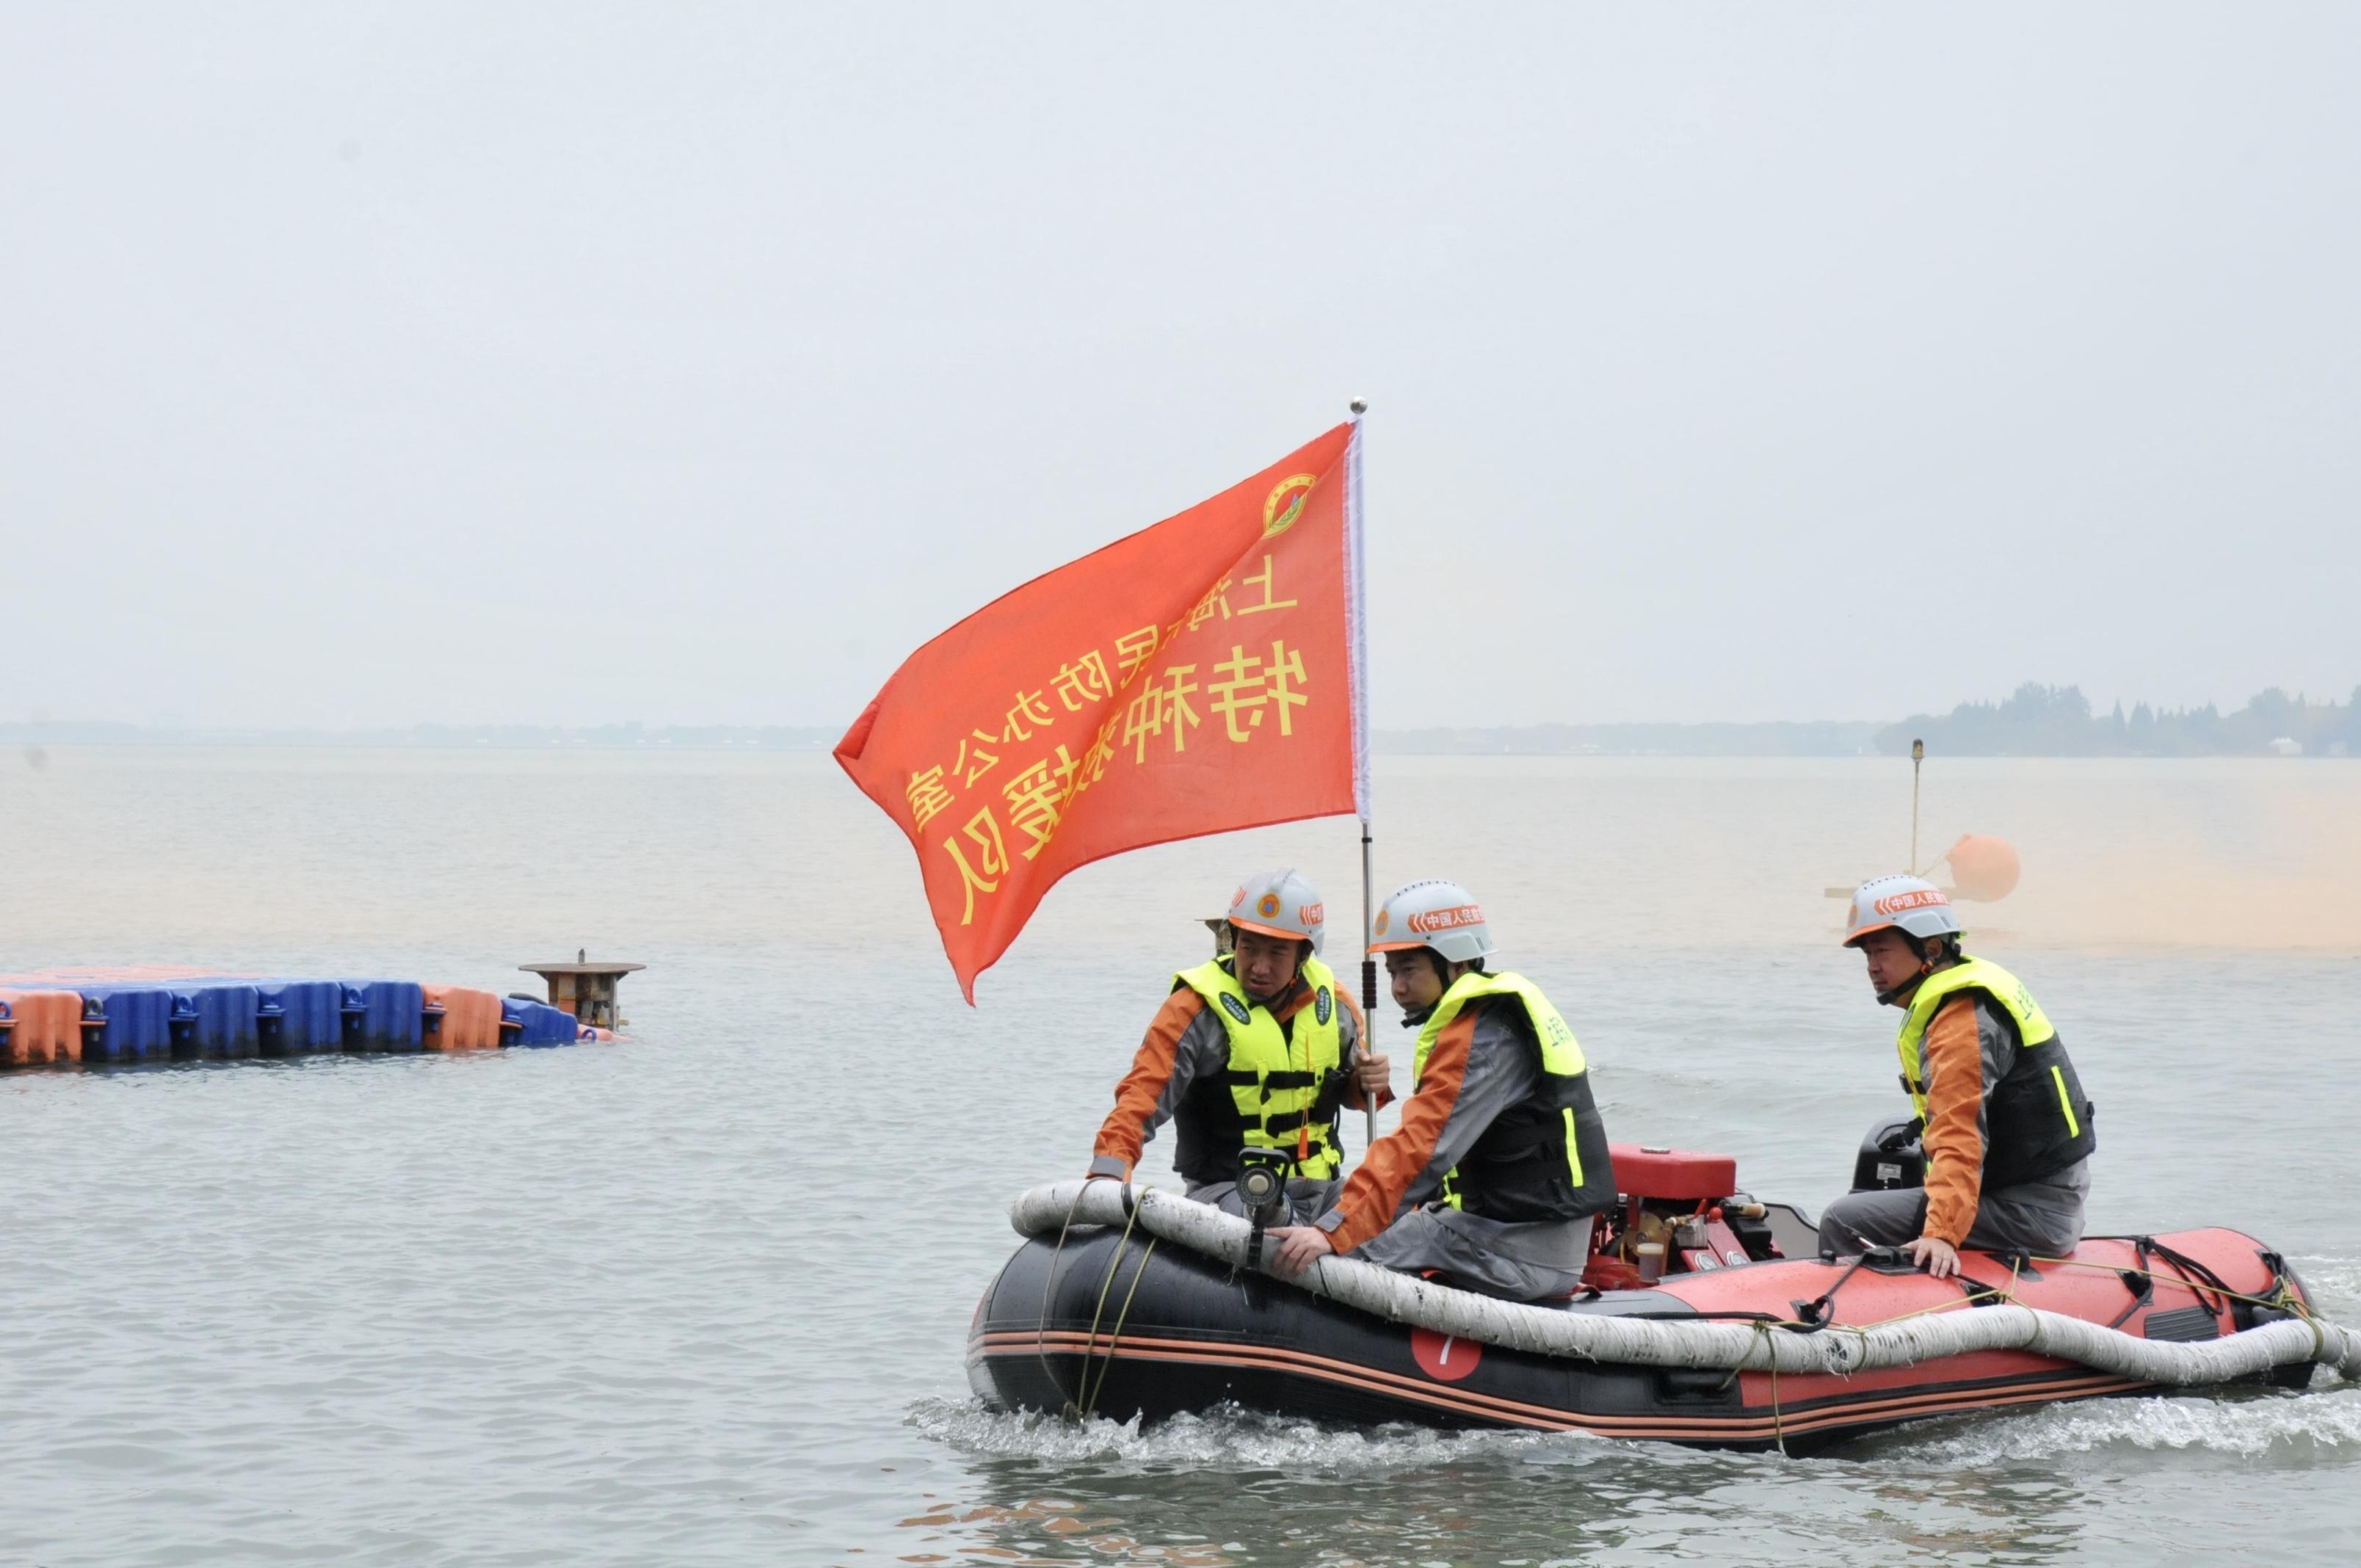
1200 675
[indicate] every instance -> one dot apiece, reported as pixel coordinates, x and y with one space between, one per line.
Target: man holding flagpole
1258 1051
1201 675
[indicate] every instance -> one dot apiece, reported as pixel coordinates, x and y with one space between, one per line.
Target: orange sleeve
1367 1203
1954 1139
1352 1095
1125 1129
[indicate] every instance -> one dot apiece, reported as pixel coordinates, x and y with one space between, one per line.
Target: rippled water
700 1296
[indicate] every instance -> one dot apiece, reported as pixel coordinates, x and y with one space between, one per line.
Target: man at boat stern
2004 1119
1258 1049
1500 1161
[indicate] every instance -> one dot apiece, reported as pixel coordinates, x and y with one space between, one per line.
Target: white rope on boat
1749 1347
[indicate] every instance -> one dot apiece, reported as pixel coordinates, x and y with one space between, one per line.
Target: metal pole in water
1917 755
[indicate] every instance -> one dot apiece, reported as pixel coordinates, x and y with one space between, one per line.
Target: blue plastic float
126 1024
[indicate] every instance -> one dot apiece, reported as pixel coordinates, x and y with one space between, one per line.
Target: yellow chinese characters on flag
1200 675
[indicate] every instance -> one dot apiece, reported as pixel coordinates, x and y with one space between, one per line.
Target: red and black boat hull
1104 1326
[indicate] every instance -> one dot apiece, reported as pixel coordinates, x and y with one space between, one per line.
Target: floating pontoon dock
150 1014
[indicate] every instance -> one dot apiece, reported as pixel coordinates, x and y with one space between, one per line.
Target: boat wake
1233 1439
2323 1427
2334 1283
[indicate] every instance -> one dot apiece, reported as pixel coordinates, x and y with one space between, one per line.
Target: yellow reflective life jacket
2037 1119
1546 1158
1284 1085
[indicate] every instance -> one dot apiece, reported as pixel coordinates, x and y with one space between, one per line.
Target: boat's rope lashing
1114 1337
1041 1322
1704 1343
1091 1344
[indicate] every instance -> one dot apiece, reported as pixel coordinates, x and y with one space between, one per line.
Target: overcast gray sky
367 364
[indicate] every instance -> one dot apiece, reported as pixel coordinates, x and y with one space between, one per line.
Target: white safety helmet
1433 914
1280 903
1910 905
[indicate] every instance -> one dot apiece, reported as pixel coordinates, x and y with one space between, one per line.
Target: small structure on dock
583 989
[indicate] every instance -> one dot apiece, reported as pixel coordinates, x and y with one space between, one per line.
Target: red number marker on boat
1443 1358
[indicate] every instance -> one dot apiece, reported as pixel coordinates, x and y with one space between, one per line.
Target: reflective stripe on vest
1275 1076
1561 1056
1972 974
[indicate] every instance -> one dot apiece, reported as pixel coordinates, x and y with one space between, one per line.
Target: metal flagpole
1368 981
1359 637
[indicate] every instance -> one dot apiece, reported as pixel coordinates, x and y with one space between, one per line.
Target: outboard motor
1890 1158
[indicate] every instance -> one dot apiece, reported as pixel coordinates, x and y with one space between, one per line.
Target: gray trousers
2006 1221
1515 1262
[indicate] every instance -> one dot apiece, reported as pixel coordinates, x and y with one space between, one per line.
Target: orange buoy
1984 868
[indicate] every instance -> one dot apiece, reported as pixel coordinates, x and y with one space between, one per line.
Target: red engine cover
1680 1176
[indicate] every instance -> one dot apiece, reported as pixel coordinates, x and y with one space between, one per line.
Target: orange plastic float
43 1028
461 1019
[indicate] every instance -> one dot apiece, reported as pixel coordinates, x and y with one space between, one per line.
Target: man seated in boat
1261 1049
2006 1127
1500 1161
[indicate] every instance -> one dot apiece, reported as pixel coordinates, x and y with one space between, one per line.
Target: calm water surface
700 1296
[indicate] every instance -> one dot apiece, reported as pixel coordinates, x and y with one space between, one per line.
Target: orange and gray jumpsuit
1485 1179
1973 1046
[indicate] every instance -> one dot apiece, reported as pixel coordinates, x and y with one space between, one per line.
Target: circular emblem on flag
1268 906
1286 503
1443 1358
1322 1005
1236 1008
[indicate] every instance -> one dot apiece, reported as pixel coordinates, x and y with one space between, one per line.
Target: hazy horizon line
1765 737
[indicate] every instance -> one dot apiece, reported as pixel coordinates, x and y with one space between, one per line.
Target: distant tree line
2056 721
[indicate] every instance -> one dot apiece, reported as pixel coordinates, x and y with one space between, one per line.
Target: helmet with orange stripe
1913 906
1433 914
1915 910
1280 903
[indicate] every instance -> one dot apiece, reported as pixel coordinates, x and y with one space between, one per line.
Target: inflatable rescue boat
1129 1302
